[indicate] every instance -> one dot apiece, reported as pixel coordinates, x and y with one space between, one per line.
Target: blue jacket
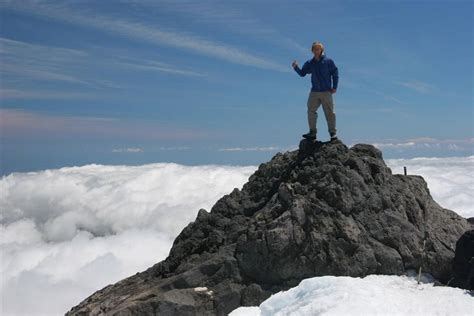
321 73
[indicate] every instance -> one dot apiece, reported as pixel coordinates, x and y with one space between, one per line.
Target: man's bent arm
334 74
304 71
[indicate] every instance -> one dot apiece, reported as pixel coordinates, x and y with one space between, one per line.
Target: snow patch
372 295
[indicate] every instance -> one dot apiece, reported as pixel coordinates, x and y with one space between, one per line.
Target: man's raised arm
301 72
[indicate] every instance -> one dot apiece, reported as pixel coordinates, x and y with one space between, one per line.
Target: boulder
463 263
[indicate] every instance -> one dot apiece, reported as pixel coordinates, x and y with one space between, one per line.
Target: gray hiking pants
315 99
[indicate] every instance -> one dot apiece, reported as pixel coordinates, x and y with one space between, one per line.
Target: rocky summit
324 209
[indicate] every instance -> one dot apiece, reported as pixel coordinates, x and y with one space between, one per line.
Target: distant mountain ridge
324 209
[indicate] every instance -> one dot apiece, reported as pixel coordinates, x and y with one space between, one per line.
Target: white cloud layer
68 232
65 233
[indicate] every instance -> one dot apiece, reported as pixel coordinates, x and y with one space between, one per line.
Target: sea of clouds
68 232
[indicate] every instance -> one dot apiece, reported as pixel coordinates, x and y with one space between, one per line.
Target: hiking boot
333 137
310 135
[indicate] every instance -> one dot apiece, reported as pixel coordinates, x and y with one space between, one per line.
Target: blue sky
198 82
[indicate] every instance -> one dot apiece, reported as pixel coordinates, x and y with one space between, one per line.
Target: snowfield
372 295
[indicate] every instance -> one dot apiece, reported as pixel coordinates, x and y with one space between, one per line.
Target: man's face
317 50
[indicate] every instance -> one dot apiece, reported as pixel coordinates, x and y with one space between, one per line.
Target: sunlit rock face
324 209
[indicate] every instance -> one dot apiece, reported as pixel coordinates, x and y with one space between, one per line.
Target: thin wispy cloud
359 71
16 94
22 50
418 86
27 124
234 149
425 143
23 61
148 33
226 108
394 99
27 72
150 65
127 150
360 85
366 18
180 148
31 61
224 15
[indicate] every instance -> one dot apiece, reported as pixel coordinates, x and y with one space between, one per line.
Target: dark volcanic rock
322 210
463 263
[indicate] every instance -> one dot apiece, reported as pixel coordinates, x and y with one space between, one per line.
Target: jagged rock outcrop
324 209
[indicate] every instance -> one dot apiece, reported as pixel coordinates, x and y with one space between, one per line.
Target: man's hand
332 91
294 64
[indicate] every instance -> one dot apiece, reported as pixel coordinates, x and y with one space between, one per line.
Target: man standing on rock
324 79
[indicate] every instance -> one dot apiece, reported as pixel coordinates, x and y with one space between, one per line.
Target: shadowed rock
463 263
324 209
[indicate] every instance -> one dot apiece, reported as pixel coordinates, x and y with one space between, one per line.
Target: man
324 80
